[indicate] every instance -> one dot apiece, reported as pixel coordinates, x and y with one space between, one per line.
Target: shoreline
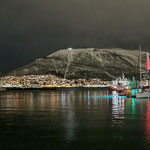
49 88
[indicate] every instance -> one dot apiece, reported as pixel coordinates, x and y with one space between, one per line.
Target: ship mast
140 66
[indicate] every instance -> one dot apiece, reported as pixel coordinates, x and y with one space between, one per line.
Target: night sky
35 28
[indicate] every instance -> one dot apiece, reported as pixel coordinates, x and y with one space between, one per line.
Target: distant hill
105 64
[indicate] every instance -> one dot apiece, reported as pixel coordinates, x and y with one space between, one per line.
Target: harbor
122 86
74 75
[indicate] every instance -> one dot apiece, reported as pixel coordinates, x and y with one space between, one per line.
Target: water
75 118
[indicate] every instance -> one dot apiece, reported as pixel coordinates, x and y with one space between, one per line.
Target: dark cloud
35 28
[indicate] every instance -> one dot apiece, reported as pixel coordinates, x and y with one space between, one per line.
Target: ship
119 84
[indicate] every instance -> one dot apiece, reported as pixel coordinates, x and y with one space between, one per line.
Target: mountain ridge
105 64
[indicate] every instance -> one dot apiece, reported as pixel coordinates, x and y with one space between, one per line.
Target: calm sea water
75 118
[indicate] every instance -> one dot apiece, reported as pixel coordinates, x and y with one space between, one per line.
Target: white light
70 48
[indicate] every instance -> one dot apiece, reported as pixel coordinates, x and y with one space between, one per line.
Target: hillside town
47 81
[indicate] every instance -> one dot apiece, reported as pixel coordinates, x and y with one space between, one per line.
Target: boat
119 84
145 94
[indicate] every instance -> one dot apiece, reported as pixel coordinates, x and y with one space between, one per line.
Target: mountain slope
105 64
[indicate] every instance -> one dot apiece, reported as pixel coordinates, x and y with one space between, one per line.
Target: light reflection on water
147 125
76 118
